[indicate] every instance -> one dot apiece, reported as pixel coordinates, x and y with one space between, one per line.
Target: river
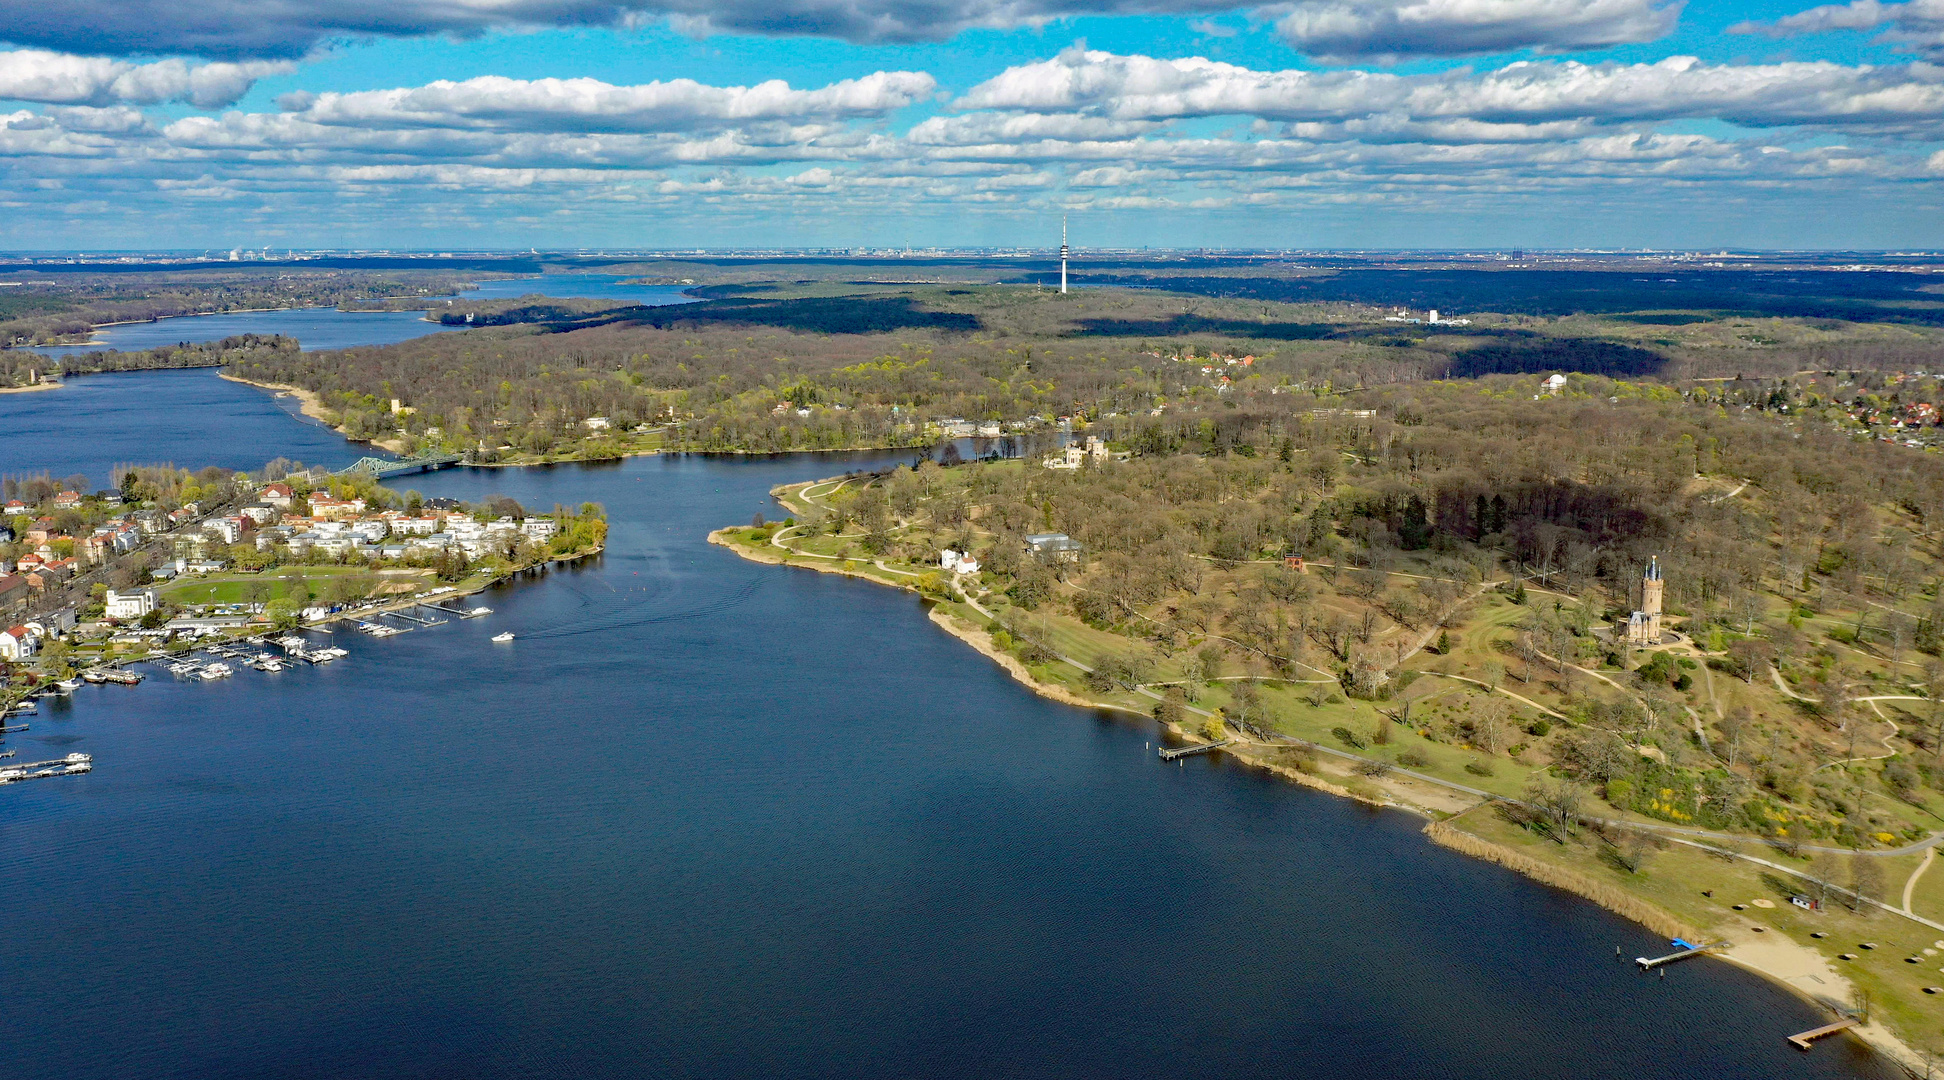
329 328
711 818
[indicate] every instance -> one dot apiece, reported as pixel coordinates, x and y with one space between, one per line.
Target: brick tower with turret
1643 627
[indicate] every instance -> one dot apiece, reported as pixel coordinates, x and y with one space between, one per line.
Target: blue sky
669 123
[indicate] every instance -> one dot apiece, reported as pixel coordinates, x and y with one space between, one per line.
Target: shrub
1619 792
1481 767
1301 758
1412 759
1374 769
1539 728
1348 737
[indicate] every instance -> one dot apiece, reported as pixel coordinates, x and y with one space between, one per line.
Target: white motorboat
503 638
69 686
218 670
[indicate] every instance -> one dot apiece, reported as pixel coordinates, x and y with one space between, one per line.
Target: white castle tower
1063 254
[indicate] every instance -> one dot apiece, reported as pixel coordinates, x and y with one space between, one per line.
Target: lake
329 328
711 818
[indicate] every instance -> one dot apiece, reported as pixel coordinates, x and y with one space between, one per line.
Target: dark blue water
329 328
192 418
709 818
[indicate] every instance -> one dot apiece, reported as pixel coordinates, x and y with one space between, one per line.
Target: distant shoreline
311 405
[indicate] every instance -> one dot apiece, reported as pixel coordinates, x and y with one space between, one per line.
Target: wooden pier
1804 1040
1686 951
10 730
461 612
1187 751
415 618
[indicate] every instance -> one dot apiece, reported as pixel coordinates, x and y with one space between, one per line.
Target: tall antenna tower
1063 254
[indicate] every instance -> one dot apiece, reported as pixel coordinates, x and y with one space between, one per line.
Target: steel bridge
380 468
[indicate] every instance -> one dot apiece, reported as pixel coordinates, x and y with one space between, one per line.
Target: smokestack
1063 254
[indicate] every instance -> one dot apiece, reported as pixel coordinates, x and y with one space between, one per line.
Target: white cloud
1391 30
1917 26
62 79
493 102
1145 88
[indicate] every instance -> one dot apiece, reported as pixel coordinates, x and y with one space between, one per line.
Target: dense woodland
739 373
1802 569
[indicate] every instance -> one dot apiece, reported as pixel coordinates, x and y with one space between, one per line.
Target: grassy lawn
242 588
1677 877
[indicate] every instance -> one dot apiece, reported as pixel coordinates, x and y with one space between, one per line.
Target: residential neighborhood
171 555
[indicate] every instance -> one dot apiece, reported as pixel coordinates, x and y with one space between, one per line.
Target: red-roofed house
17 643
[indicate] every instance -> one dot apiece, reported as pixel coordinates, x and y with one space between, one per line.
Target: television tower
1063 254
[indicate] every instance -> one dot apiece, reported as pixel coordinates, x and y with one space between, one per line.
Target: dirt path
1910 885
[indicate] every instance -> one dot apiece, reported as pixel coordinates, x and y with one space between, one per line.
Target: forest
790 366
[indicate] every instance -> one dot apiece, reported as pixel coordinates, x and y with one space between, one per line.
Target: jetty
1168 754
460 612
1686 950
414 618
10 729
1803 1040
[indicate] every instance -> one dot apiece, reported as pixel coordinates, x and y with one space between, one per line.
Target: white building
1554 383
1075 455
17 643
954 562
130 605
542 529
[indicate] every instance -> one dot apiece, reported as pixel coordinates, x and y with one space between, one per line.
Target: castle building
1643 627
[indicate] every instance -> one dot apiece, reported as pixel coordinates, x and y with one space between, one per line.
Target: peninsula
1706 698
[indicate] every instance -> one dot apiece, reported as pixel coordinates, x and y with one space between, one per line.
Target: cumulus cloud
493 102
1392 30
1917 26
62 79
1145 88
291 28
1083 128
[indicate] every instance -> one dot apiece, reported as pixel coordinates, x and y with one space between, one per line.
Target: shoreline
31 389
311 404
1767 957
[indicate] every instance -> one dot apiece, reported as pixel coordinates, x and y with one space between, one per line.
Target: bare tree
1558 800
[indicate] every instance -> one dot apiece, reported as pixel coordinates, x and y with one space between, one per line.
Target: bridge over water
380 468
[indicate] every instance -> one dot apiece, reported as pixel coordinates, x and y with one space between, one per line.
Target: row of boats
227 658
70 765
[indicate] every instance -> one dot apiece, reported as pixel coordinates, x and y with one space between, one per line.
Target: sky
762 124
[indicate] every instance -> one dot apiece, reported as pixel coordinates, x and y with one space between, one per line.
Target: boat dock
1686 951
461 612
9 730
1805 1039
1168 754
415 619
